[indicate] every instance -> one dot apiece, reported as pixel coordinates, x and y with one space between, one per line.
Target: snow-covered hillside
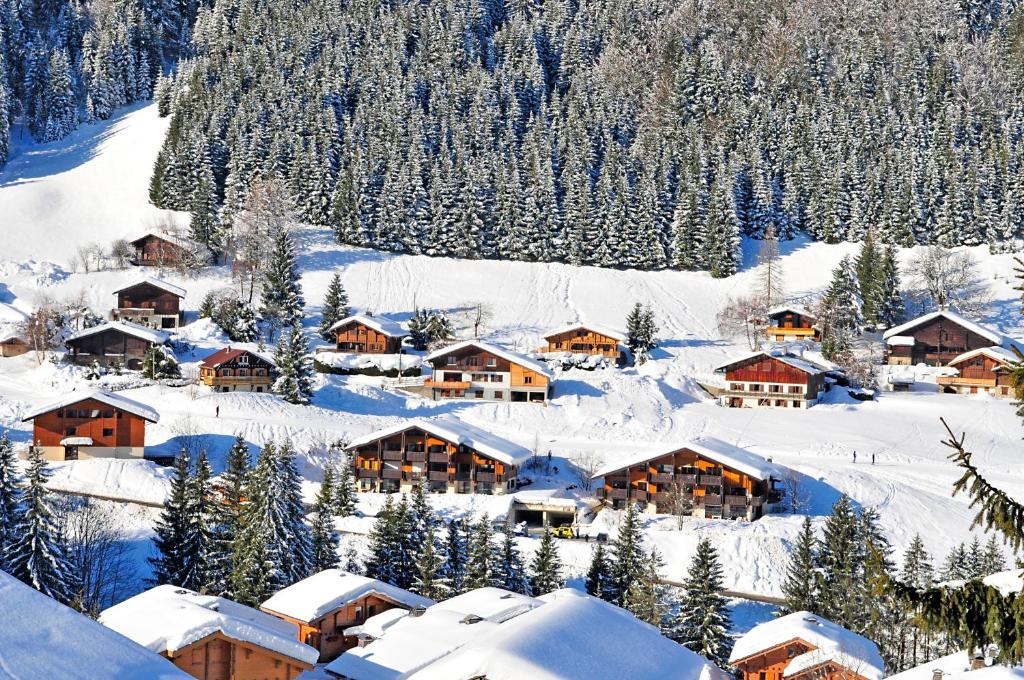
92 187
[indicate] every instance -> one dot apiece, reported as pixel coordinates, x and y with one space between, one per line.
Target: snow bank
361 362
326 591
141 481
40 638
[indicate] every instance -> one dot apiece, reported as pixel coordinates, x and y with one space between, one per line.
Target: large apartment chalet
583 338
772 380
984 370
93 424
237 370
328 602
211 638
791 324
804 646
936 339
366 334
115 341
150 302
446 454
705 478
479 370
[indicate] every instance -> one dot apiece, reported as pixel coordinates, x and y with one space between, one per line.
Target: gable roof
978 329
457 432
796 362
802 311
1000 354
507 355
180 241
832 643
957 666
326 591
226 354
113 400
387 327
168 618
615 335
727 454
157 283
42 638
128 328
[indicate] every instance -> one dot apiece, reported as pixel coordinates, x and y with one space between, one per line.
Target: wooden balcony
486 477
365 473
392 455
638 495
446 384
415 456
662 477
735 500
711 499
710 480
687 479
391 474
413 476
216 381
658 496
437 476
966 382
618 494
437 457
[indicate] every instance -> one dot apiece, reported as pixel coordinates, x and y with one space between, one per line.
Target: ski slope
92 187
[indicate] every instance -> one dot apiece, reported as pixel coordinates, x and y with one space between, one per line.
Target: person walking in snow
854 456
872 459
216 411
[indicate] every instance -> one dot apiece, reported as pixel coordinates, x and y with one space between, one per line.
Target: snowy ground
92 187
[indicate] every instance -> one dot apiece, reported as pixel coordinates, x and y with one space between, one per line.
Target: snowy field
93 187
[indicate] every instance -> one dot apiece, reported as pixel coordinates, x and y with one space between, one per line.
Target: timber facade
218 657
237 370
89 429
935 340
148 304
477 371
153 250
768 381
582 339
985 371
788 324
686 482
109 344
360 338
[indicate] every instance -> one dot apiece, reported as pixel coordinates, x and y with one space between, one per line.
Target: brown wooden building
705 478
120 341
365 334
581 338
237 370
12 343
479 370
93 424
211 638
985 370
325 604
936 339
161 249
150 302
804 646
446 454
790 324
778 380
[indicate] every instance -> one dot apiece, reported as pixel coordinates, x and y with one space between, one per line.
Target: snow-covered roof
40 638
900 341
326 591
507 355
10 332
795 309
951 316
110 399
615 335
157 283
168 618
392 329
729 455
226 354
951 666
494 604
788 359
11 314
457 432
832 642
1000 354
180 241
375 625
133 329
572 635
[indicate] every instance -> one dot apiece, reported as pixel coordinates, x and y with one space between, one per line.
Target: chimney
471 618
978 660
363 639
416 612
937 674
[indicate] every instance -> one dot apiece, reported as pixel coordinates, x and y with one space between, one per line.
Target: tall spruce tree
801 586
600 580
324 536
629 554
381 562
891 309
456 557
227 516
509 571
702 622
199 545
344 489
841 559
10 498
335 307
295 374
431 581
173 563
281 296
546 568
482 561
646 598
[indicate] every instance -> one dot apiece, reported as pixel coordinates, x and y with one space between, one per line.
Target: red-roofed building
237 370
772 380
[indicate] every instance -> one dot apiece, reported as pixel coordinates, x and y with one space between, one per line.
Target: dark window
108 432
108 414
69 431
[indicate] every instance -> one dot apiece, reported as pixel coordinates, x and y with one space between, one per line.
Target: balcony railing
710 480
415 456
391 474
438 476
446 384
365 473
438 457
412 476
486 477
638 495
618 494
711 499
658 496
960 380
687 479
392 455
733 499
661 477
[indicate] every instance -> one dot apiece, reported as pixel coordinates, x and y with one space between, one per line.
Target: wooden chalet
936 339
582 338
705 478
804 646
150 302
237 370
211 638
162 249
446 454
791 324
12 343
325 604
777 380
116 341
365 334
479 370
93 424
984 370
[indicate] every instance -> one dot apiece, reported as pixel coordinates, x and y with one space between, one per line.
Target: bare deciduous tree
121 253
89 257
946 279
771 283
799 498
743 316
269 209
585 464
42 329
679 502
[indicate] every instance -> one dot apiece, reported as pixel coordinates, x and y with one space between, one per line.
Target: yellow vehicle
564 531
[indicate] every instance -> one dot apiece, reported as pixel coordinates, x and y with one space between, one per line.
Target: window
775 388
755 387
69 431
736 387
108 414
479 394
244 360
527 379
473 361
108 432
451 361
794 389
491 361
498 394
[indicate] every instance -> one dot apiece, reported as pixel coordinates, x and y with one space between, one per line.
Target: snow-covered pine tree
509 572
641 331
38 556
600 580
840 309
407 546
891 310
421 519
917 568
646 598
840 557
629 554
702 621
344 488
172 563
324 535
870 281
993 560
335 307
208 306
974 556
456 557
771 286
10 498
431 581
957 565
159 363
198 547
383 539
482 562
227 513
295 374
281 297
546 567
802 582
